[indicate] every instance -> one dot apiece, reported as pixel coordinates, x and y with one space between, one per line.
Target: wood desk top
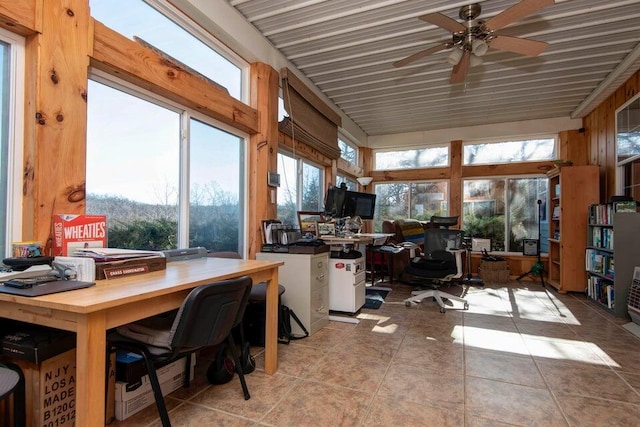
179 275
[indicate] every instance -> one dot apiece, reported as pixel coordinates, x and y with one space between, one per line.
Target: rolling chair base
418 296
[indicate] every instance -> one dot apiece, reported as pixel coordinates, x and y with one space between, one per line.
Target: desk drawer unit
346 284
306 283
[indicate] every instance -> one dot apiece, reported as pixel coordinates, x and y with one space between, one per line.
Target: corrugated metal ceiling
347 47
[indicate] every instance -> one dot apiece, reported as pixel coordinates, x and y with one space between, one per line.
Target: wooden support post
56 156
263 151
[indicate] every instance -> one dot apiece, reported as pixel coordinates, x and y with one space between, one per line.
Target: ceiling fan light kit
473 38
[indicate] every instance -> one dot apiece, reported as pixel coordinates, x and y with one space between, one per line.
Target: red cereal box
71 232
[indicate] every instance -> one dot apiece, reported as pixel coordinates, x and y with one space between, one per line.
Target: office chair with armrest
440 264
206 318
444 221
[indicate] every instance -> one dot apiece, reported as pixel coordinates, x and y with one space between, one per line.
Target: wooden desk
92 311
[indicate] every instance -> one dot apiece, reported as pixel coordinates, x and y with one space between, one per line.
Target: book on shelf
556 212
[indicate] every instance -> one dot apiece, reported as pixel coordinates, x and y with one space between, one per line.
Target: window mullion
184 184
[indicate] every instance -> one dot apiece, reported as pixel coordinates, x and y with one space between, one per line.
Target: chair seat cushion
434 265
158 338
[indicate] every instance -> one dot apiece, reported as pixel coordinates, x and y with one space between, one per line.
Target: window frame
410 202
403 149
182 20
507 214
15 136
300 161
513 139
347 141
186 114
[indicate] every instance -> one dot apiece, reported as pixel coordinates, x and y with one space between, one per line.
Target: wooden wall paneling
140 65
600 124
60 117
263 152
29 146
573 146
21 16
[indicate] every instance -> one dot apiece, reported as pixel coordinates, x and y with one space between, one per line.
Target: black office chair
206 318
12 384
440 264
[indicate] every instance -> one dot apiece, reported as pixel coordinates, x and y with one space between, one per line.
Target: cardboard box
494 276
131 398
71 232
51 390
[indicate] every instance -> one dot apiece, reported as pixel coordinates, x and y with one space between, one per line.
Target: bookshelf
572 189
611 255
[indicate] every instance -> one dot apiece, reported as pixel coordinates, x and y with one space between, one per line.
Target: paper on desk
33 271
115 253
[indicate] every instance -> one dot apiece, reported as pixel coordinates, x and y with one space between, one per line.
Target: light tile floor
521 355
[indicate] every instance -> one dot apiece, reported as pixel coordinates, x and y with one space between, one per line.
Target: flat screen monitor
334 202
359 204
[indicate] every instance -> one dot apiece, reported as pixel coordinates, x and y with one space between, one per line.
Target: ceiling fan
471 39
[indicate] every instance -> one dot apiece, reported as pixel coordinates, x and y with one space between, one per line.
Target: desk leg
90 370
271 327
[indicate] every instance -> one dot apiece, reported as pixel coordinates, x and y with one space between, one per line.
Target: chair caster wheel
407 303
442 310
466 306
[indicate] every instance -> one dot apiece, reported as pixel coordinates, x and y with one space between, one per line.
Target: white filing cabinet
347 282
305 279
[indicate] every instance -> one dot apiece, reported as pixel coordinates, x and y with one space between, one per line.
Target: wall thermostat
273 179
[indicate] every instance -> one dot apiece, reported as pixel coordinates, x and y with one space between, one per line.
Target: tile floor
520 356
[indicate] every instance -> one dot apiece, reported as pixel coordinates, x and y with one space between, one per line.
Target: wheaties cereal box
71 232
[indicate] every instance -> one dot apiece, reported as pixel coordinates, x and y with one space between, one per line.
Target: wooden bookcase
611 255
572 189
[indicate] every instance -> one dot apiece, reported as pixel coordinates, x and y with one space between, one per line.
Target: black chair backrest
444 221
210 312
441 239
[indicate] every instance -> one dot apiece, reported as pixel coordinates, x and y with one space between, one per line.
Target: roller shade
310 119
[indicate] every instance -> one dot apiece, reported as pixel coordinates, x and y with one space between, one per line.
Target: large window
168 30
436 156
301 188
505 210
11 113
164 177
416 200
510 151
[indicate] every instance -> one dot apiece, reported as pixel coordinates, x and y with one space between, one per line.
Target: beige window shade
310 119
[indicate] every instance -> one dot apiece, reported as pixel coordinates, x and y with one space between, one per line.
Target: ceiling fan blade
421 54
518 45
460 70
516 12
443 21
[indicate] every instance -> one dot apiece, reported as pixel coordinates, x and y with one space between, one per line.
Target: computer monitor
334 202
359 204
